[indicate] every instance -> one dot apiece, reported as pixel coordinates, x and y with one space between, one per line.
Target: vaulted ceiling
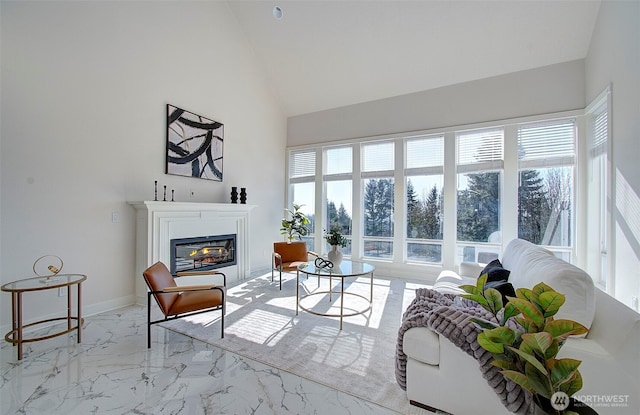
328 54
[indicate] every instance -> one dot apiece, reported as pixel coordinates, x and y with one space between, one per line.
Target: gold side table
17 288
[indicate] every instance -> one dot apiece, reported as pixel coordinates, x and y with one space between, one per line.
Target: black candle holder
243 195
172 190
155 190
164 199
234 195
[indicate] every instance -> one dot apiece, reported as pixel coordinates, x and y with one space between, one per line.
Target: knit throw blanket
440 313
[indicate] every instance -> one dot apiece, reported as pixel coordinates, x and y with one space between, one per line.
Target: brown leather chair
288 255
181 301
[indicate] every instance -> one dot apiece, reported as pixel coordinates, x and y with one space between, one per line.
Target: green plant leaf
483 324
538 381
538 342
530 359
552 351
573 385
504 364
523 322
488 344
494 340
471 289
502 334
494 299
538 289
550 301
509 311
529 311
562 370
523 293
561 329
518 378
477 298
481 282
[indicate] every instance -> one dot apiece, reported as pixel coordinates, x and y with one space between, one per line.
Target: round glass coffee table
346 269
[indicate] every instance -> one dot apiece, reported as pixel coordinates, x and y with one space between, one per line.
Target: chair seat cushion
291 266
196 300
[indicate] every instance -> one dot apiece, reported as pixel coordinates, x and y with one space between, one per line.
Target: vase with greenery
296 225
335 238
526 348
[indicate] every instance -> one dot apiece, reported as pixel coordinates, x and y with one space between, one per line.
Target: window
378 198
424 166
338 190
479 163
598 189
432 199
302 169
546 156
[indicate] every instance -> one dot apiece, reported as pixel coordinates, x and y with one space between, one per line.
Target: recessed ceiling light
277 12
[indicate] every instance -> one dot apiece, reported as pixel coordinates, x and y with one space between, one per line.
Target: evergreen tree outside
415 214
533 207
479 207
433 214
344 220
378 207
332 214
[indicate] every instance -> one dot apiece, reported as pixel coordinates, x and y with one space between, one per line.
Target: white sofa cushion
449 282
530 264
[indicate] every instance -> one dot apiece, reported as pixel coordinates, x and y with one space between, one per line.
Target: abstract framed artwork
194 145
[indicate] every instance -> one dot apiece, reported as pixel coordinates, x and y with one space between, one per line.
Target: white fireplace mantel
159 222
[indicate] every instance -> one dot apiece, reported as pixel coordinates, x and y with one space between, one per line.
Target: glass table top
42 283
345 269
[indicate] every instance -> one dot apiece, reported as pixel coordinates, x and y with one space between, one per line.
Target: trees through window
525 188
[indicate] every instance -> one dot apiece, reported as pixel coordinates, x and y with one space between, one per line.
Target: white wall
614 59
84 90
543 90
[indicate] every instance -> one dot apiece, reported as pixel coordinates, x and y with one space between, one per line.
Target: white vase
335 256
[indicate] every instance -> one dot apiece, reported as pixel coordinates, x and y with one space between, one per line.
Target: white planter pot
335 255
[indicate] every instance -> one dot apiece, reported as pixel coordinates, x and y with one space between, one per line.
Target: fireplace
202 253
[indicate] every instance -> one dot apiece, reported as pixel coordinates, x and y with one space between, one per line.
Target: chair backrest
291 251
158 277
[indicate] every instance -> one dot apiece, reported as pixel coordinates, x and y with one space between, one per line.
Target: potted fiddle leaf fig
296 226
527 351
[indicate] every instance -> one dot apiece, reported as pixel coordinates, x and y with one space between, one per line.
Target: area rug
261 324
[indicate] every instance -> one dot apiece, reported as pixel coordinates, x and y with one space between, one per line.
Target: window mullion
510 184
400 204
450 218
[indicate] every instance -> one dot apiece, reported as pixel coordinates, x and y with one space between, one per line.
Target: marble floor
112 372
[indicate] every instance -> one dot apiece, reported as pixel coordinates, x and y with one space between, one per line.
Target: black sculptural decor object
234 195
243 195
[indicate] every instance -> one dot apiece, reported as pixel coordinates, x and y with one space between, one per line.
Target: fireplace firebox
203 253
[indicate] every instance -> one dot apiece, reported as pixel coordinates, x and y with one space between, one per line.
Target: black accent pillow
505 288
495 271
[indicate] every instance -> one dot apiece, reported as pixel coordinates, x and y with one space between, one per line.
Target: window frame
398 263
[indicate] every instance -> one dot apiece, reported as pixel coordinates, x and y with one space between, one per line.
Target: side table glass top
35 284
345 269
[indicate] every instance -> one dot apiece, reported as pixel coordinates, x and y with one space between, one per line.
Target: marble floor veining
112 372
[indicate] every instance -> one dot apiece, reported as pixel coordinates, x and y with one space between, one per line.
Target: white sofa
439 375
